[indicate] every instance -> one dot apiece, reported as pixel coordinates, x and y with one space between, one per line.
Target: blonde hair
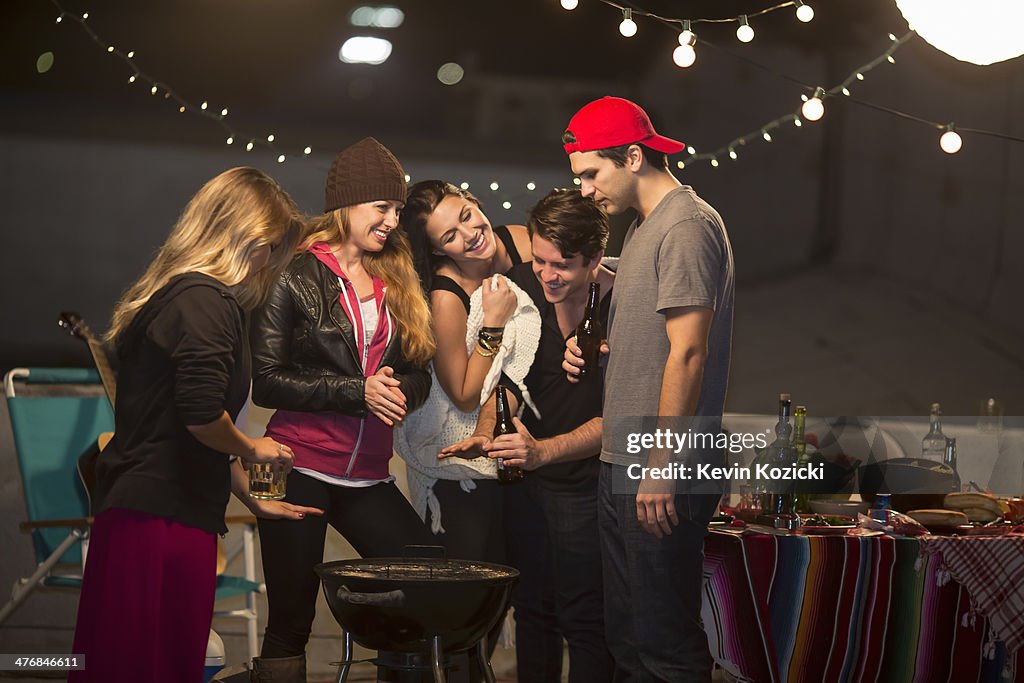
224 224
393 265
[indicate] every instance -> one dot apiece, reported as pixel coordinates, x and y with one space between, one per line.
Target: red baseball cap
613 121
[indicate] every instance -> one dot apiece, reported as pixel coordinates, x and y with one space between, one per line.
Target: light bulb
531 186
714 162
797 122
181 109
224 111
131 54
766 135
408 177
745 32
248 147
628 26
506 205
686 36
860 76
270 138
307 151
732 154
230 141
85 16
204 105
131 79
690 150
60 18
950 142
152 91
464 185
280 159
494 186
891 59
570 4
813 109
804 12
110 48
680 165
684 56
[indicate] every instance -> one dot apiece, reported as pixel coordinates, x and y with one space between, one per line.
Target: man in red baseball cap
670 334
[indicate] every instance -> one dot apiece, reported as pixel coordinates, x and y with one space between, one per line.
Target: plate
826 530
839 507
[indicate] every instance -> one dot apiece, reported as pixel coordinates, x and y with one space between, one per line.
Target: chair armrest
27 527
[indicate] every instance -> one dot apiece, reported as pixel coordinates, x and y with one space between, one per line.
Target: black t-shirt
184 361
564 406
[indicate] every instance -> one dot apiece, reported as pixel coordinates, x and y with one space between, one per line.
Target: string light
280 159
270 138
950 141
248 147
766 135
804 12
494 186
230 140
131 79
506 205
464 185
627 27
531 186
732 154
714 162
813 109
570 4
685 55
797 122
203 106
307 151
745 32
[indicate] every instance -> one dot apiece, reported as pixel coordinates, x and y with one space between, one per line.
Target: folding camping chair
57 415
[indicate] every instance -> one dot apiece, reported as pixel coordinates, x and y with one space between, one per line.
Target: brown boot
279 670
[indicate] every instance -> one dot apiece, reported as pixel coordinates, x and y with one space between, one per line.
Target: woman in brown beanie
340 350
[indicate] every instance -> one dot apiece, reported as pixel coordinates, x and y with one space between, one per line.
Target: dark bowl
400 604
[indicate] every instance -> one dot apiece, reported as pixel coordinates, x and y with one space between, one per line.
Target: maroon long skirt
147 600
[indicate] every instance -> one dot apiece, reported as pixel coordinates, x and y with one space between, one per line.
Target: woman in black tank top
456 250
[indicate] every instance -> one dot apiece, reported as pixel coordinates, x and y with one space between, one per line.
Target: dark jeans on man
552 538
652 587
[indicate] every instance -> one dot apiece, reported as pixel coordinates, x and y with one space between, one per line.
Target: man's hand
278 509
573 359
469 448
383 397
266 451
656 508
519 449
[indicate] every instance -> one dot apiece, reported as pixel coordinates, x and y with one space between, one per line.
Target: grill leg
346 658
435 660
485 660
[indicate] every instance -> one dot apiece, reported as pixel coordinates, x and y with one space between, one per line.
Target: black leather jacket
304 349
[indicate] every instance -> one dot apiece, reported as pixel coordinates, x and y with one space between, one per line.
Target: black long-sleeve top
184 360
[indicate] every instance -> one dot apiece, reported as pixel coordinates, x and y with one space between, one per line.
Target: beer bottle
589 333
507 474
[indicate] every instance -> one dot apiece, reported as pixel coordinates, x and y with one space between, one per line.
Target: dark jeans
652 588
377 520
471 520
552 539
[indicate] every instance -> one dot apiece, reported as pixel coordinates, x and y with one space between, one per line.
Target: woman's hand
383 397
278 509
266 451
469 448
499 301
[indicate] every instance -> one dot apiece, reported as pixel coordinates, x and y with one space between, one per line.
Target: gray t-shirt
679 256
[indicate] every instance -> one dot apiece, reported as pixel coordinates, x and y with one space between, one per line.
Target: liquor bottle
778 503
507 474
803 496
933 445
949 458
589 333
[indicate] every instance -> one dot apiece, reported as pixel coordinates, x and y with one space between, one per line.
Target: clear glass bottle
803 496
778 502
933 445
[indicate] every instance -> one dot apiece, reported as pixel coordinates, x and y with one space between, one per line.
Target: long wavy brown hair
393 264
229 218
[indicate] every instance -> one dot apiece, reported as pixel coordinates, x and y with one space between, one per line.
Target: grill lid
418 569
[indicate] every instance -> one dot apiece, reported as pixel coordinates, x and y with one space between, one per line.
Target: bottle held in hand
507 474
589 333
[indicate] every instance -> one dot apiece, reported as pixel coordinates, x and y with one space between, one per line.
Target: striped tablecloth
829 609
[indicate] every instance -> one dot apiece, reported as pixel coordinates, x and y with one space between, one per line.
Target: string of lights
156 87
813 107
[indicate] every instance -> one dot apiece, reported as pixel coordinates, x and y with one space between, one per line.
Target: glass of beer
266 483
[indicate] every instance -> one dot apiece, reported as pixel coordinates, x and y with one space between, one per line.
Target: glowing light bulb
131 54
203 106
407 177
684 56
181 109
950 142
745 32
531 186
152 91
891 59
85 16
860 76
248 147
110 48
691 150
506 205
804 12
464 185
628 27
714 162
60 18
224 111
680 165
307 151
131 79
570 4
280 159
766 135
732 154
981 32
576 181
846 91
813 109
797 122
230 140
892 36
494 186
270 138
687 36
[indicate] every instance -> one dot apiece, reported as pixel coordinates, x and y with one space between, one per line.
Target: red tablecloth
837 609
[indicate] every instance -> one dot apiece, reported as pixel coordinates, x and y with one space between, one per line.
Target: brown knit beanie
364 172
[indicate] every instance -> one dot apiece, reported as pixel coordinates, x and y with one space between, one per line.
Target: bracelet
491 353
489 338
497 330
490 346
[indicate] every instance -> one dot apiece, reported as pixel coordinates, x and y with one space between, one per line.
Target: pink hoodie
334 443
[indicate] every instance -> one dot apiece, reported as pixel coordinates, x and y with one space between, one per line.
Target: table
835 609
